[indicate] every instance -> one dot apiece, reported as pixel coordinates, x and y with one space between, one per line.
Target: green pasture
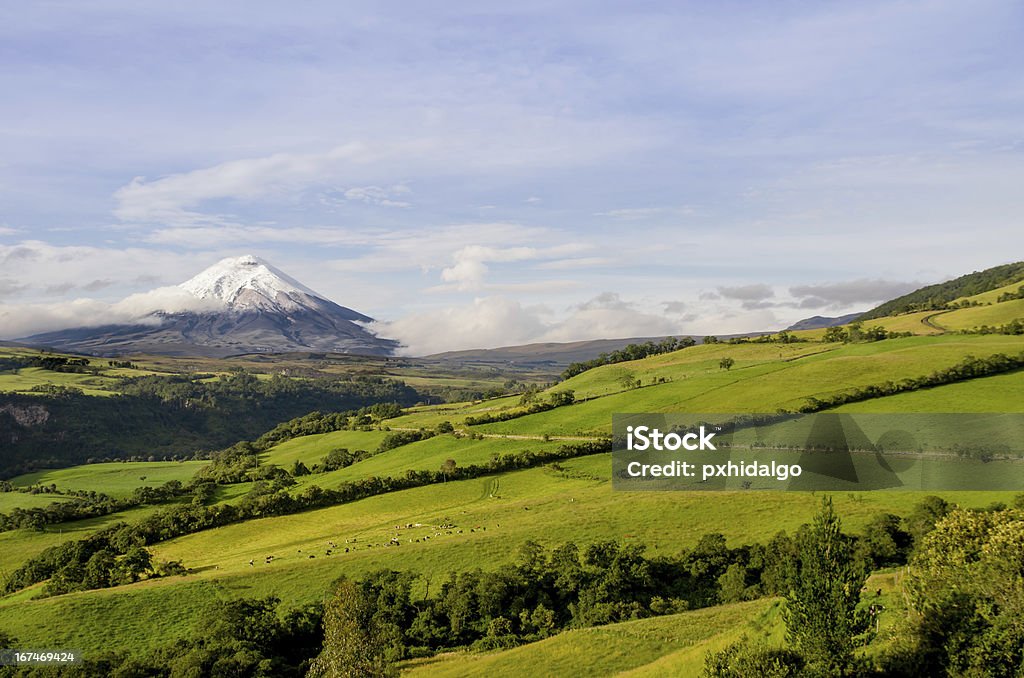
24 500
976 316
24 379
118 479
426 455
496 515
761 386
658 643
998 393
312 448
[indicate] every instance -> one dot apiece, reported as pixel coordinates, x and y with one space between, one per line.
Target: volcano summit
247 306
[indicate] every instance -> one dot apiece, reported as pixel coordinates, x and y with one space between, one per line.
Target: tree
299 469
628 381
966 588
855 331
349 650
743 659
836 334
726 364
884 542
445 427
562 398
135 563
821 611
733 584
448 468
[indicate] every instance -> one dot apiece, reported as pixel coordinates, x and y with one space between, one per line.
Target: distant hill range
258 309
819 322
549 354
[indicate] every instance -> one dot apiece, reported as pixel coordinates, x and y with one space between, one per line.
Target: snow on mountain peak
250 283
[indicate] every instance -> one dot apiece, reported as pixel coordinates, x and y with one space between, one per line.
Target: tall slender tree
821 612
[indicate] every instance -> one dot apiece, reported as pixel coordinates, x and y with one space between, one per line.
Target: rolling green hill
462 524
670 645
495 515
118 479
935 297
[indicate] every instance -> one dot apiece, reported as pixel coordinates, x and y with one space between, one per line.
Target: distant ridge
935 297
552 354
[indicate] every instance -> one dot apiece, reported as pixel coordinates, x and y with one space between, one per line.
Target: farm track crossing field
976 316
908 322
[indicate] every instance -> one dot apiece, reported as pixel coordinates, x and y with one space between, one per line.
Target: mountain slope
818 322
260 309
935 297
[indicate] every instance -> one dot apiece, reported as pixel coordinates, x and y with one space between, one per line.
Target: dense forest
159 417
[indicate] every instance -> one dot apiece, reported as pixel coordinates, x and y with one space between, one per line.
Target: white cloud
375 195
486 322
41 266
26 319
471 261
175 199
489 322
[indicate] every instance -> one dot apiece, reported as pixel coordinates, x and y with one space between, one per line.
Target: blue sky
491 173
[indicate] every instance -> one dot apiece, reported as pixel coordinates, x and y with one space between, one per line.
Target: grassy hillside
662 644
495 515
937 296
976 316
10 500
118 479
760 381
311 449
917 323
998 393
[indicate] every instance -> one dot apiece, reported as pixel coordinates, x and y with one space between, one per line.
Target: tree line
962 571
970 367
86 504
629 352
267 499
530 403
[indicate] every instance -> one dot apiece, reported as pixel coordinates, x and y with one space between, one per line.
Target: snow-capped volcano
261 309
248 283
